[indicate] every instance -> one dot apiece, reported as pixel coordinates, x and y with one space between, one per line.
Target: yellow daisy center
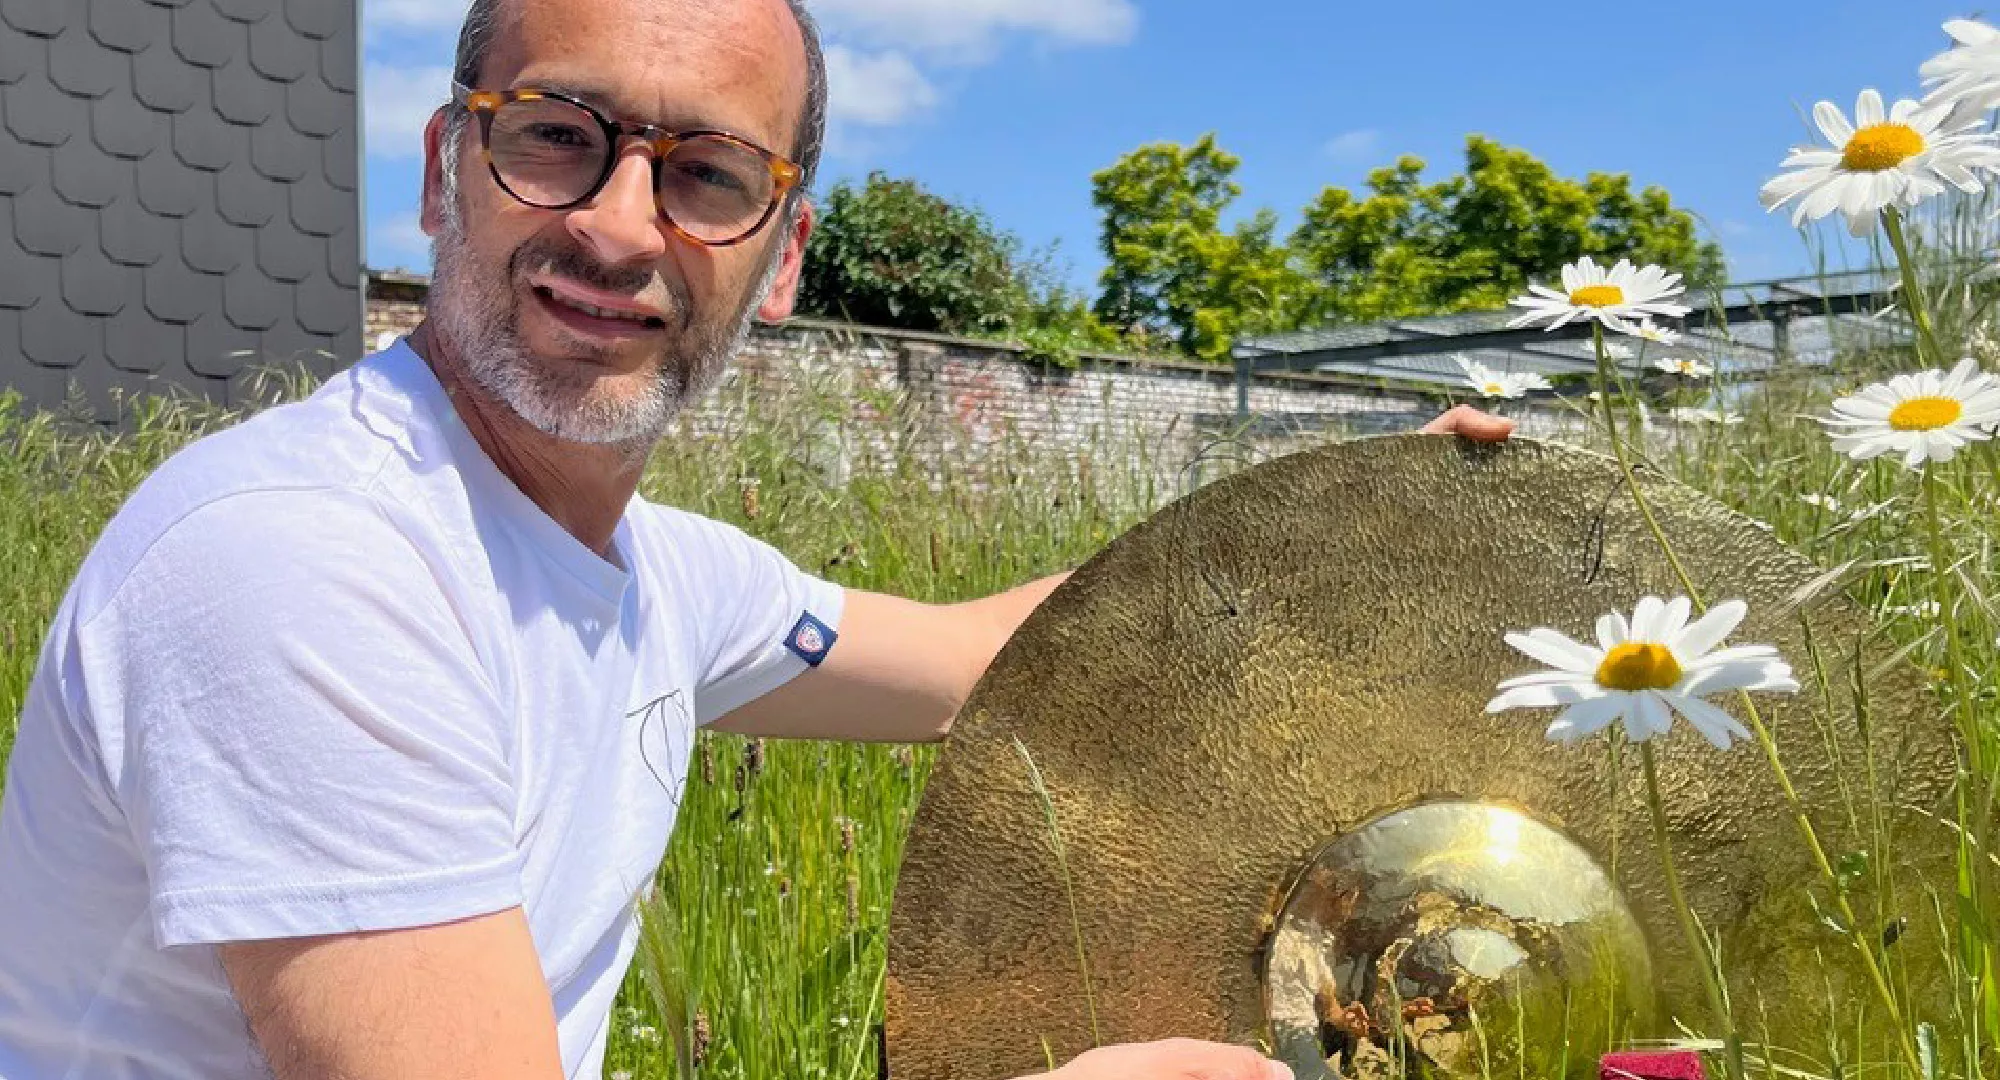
1597 296
1493 388
1881 146
1926 413
1639 666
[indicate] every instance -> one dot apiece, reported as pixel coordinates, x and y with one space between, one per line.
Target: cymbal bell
1286 818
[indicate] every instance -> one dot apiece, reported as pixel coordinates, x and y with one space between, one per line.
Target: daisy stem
1711 978
1954 647
1762 733
1913 300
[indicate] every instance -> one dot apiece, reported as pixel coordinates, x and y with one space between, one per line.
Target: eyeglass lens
551 153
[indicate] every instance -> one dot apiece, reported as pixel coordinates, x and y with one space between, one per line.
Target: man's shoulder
292 472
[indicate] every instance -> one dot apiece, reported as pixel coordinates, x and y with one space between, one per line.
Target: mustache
556 257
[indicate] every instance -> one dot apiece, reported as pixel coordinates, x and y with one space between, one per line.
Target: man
329 768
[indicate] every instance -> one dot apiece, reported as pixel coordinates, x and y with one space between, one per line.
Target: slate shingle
127 25
287 343
319 209
94 285
338 63
80 66
343 258
279 52
46 225
316 108
242 96
248 11
122 127
177 294
281 152
42 18
243 196
324 307
342 159
133 235
85 176
169 188
204 38
166 82
207 141
24 276
216 349
214 246
134 341
54 336
284 253
40 115
255 302
22 167
318 19
16 51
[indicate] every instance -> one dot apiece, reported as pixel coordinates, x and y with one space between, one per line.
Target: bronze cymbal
1280 667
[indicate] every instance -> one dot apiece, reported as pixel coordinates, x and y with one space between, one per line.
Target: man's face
509 278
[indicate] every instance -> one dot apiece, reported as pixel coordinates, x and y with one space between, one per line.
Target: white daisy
1618 352
1686 366
1647 330
1500 384
1640 670
1922 415
1821 502
1967 75
1613 297
1686 415
1901 158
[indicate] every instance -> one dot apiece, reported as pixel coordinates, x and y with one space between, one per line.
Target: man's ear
430 215
777 305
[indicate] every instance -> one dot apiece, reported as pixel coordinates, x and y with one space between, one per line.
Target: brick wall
896 392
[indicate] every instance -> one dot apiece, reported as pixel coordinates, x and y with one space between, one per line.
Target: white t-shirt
331 671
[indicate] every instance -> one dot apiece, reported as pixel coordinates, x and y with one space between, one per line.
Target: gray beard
471 305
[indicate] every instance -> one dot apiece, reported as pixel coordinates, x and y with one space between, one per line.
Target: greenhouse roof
1744 329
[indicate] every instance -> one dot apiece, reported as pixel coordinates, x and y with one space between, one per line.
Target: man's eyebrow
604 101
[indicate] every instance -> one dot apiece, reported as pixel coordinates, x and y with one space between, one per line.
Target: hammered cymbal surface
1302 647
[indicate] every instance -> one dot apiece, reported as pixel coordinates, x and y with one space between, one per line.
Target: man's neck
582 486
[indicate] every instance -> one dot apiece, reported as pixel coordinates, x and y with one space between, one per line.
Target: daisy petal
1705 633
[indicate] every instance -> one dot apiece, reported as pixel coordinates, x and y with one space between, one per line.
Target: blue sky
1010 105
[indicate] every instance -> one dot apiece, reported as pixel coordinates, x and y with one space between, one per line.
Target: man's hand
1173 1059
1471 423
460 1001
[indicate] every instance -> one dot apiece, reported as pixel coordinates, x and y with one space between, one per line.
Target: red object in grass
1650 1065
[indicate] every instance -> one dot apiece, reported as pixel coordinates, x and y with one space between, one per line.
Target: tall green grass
764 951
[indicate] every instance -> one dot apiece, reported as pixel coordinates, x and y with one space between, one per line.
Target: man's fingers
1471 423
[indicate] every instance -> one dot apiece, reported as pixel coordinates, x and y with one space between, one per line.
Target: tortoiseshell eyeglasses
552 151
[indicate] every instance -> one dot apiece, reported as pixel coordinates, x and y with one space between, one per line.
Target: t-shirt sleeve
303 740
765 621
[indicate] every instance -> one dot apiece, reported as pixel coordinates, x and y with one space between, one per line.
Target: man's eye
567 135
701 172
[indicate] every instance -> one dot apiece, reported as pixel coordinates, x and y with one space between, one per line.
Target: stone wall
882 393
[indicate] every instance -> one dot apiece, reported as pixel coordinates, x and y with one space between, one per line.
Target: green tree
889 253
1471 241
1172 270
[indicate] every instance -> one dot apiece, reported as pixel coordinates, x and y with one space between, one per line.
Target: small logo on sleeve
811 639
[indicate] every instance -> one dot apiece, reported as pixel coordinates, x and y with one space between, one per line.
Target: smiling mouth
636 321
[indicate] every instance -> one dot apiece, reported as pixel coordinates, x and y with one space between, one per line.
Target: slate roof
179 193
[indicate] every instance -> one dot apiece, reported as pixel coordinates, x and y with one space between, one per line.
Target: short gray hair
484 19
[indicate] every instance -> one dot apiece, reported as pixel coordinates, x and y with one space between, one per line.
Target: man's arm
899 673
901 669
460 1001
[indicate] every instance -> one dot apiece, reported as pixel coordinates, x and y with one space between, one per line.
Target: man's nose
622 225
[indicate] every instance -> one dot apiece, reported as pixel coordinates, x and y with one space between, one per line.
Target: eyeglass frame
484 104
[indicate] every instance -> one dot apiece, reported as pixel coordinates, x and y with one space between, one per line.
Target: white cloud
398 243
876 90
1353 145
396 104
412 14
973 26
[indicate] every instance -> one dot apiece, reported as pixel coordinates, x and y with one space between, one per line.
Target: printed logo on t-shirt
811 639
